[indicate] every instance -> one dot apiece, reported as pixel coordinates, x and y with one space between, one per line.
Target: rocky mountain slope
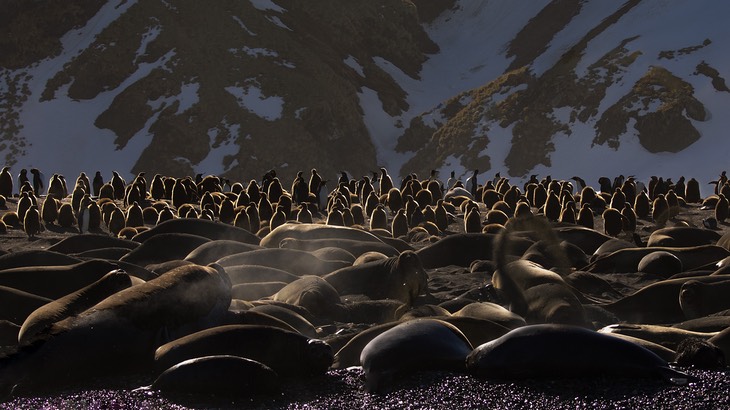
238 87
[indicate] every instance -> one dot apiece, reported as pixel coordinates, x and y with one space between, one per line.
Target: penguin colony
348 270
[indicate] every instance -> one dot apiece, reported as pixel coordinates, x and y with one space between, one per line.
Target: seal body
564 351
421 344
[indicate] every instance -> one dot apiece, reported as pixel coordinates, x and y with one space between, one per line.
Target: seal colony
206 286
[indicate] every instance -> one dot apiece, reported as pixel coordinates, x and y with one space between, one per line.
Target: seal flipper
675 376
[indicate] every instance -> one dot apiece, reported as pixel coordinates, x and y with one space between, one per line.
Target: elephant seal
290 260
666 336
660 263
333 253
102 253
415 345
355 247
89 241
201 227
255 291
289 354
312 293
219 375
16 305
210 252
550 351
627 260
35 257
657 303
492 312
164 247
463 249
72 304
315 231
682 236
288 316
402 278
698 299
55 281
121 332
240 274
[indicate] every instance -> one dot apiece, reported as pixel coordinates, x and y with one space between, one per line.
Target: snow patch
252 99
266 5
352 62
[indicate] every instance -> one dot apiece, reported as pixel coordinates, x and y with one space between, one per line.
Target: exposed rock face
272 78
244 86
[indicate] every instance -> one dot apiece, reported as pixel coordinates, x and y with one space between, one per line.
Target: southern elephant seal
121 332
401 277
290 354
415 345
220 375
550 351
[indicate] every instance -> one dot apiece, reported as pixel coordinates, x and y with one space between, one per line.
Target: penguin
55 187
84 181
106 191
37 180
23 179
66 218
83 214
226 211
134 217
315 184
673 202
472 220
722 209
49 210
451 181
300 189
378 218
116 221
165 214
93 213
642 205
275 190
394 200
567 214
552 207
585 216
241 220
254 219
399 224
692 192
32 222
97 183
334 218
179 196
265 208
304 215
522 210
157 187
629 218
441 216
612 222
618 199
344 179
24 204
660 210
472 184
385 182
6 183
76 197
119 185
278 218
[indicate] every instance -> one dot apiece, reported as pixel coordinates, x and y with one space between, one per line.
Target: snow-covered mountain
237 87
